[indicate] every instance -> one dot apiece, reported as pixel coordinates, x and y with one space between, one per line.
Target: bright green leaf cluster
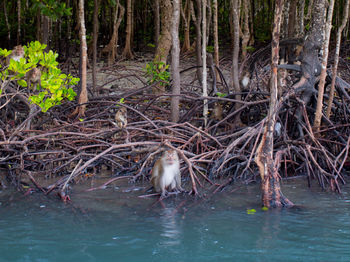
54 87
157 72
251 211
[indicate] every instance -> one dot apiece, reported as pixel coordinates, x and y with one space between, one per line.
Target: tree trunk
19 22
95 37
112 46
216 36
83 95
319 107
301 18
45 31
235 69
268 167
204 61
164 44
8 27
127 53
199 39
246 33
156 23
186 16
209 15
175 58
336 57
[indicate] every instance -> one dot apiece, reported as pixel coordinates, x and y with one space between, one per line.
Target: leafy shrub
54 87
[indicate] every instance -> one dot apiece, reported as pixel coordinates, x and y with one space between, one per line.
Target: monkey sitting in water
166 173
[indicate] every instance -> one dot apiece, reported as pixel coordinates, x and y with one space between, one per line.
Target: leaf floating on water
251 211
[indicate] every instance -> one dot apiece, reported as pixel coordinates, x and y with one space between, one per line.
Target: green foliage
251 211
210 49
54 87
250 49
151 45
157 72
219 94
52 8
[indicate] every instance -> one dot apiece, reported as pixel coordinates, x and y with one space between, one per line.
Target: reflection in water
170 228
114 226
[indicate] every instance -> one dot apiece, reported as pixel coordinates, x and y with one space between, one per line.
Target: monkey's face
170 157
18 51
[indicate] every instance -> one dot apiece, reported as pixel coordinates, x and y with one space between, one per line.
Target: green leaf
22 83
220 94
251 211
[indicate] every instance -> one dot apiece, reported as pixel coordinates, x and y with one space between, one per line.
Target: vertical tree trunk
186 16
83 95
199 38
208 18
69 31
301 18
19 22
319 107
216 36
336 56
45 30
204 61
94 40
156 23
164 44
235 55
127 53
175 58
8 27
112 46
268 167
246 33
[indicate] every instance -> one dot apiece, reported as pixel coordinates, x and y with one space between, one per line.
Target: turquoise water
115 225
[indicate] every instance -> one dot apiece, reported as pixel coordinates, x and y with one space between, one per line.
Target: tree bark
83 95
336 57
19 22
246 33
95 37
199 39
216 36
319 107
164 44
112 46
8 27
186 17
204 61
175 59
127 53
268 167
156 23
235 56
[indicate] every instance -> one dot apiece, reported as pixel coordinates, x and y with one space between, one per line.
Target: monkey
166 173
17 54
245 79
33 76
217 111
121 117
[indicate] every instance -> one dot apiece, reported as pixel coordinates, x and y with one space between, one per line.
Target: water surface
115 225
